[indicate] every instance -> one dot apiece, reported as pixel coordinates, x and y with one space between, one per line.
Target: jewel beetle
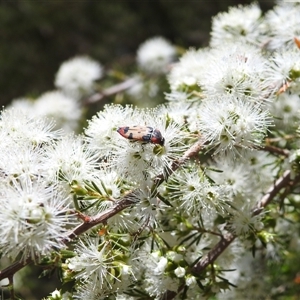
145 134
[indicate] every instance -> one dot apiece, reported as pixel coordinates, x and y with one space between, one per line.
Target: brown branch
276 150
100 218
273 191
214 253
15 267
120 87
90 222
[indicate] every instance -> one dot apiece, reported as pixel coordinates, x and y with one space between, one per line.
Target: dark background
36 36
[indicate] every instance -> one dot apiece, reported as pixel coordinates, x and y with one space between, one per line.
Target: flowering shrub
189 199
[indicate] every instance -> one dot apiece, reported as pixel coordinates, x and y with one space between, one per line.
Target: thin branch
273 191
214 253
14 268
276 150
11 287
118 88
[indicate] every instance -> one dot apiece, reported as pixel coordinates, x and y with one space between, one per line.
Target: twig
276 150
11 287
273 191
120 87
14 268
214 253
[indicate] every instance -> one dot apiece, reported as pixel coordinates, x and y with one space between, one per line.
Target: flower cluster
155 55
34 213
77 75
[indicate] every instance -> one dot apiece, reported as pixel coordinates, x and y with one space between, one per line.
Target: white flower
282 25
124 297
237 70
234 174
22 149
69 159
174 256
194 193
155 54
188 71
244 277
227 123
243 176
191 281
22 104
158 285
89 291
102 129
156 282
285 109
243 221
284 68
179 272
77 75
239 24
55 105
18 127
33 217
94 264
63 109
56 294
21 160
161 266
147 206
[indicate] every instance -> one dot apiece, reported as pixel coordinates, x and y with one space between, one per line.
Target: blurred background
37 36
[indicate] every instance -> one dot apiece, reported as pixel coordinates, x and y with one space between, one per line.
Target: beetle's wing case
136 133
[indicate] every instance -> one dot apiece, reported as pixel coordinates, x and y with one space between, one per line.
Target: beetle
145 134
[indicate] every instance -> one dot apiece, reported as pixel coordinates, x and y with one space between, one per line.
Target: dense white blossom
238 70
228 123
69 160
64 110
285 109
76 76
189 70
246 176
282 25
34 212
94 265
163 206
155 55
244 276
239 24
195 193
33 217
18 127
283 71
